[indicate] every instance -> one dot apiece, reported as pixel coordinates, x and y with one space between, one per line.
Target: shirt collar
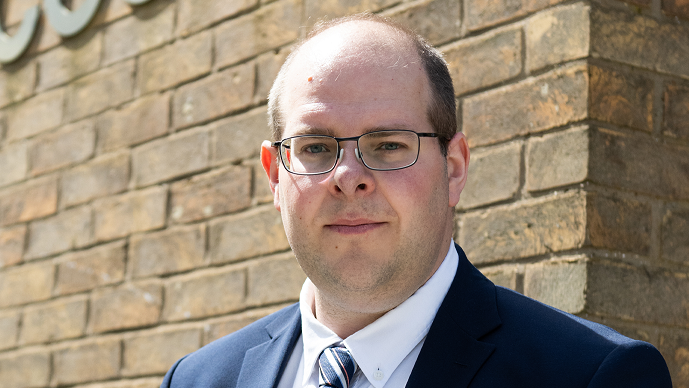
380 347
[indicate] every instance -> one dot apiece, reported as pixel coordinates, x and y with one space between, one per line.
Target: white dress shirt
386 350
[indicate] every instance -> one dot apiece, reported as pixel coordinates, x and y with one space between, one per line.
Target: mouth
351 227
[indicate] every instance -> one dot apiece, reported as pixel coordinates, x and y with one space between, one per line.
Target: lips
357 226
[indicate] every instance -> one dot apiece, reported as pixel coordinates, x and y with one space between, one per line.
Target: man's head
367 239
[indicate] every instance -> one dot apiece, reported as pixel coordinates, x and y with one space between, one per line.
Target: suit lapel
453 353
263 364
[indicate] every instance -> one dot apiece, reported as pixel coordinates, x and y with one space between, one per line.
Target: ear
457 166
270 162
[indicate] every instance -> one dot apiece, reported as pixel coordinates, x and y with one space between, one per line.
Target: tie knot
336 366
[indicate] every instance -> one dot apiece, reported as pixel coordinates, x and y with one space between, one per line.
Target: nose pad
356 153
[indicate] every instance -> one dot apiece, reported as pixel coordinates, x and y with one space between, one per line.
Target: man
366 170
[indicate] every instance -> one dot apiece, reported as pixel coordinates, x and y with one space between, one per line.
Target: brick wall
136 224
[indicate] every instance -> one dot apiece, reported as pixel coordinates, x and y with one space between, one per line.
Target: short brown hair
441 111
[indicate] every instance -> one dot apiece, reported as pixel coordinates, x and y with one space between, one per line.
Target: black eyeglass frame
278 145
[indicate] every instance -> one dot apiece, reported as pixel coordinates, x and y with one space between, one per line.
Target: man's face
366 239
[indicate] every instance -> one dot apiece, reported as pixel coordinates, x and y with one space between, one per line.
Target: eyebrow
329 132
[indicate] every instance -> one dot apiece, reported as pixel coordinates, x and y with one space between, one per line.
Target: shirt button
378 375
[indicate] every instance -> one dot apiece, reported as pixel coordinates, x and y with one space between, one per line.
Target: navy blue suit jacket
483 336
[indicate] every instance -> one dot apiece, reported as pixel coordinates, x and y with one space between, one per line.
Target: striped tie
336 367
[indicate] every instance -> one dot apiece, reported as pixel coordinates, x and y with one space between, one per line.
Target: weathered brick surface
678 8
35 115
68 230
221 327
146 382
34 199
72 144
197 14
557 159
255 232
485 60
25 369
173 156
551 224
436 20
484 13
218 192
149 27
535 104
132 212
69 61
17 84
191 56
619 224
505 275
88 269
674 346
9 329
126 306
267 68
640 41
156 351
557 35
278 279
26 283
260 185
64 318
675 234
173 250
676 112
12 245
214 96
329 9
91 360
560 283
98 91
493 175
621 99
239 137
14 161
100 177
144 119
187 296
14 10
271 26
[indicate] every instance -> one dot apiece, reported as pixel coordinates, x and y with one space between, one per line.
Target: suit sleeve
167 381
634 364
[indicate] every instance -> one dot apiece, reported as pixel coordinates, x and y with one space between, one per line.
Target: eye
316 148
390 146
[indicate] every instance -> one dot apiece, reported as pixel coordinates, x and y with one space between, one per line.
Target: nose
350 176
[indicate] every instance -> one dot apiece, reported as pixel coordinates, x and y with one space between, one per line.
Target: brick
17 84
148 382
619 224
485 60
132 212
98 91
70 60
329 9
87 361
493 175
9 329
64 318
14 159
169 251
12 245
71 144
171 157
149 27
674 232
186 297
269 27
554 99
197 14
14 10
560 283
154 352
191 56
267 68
26 283
674 346
637 162
551 224
273 280
484 13
35 115
505 275
640 41
676 112
142 120
240 137
124 307
221 327
260 184
100 177
639 294
203 196
46 38
557 35
213 96
113 10
91 268
28 201
25 369
677 8
621 99
67 230
436 20
253 233
557 159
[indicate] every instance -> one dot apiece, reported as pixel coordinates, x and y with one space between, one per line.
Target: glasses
384 150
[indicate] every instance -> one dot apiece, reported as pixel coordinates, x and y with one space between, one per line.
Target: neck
341 321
